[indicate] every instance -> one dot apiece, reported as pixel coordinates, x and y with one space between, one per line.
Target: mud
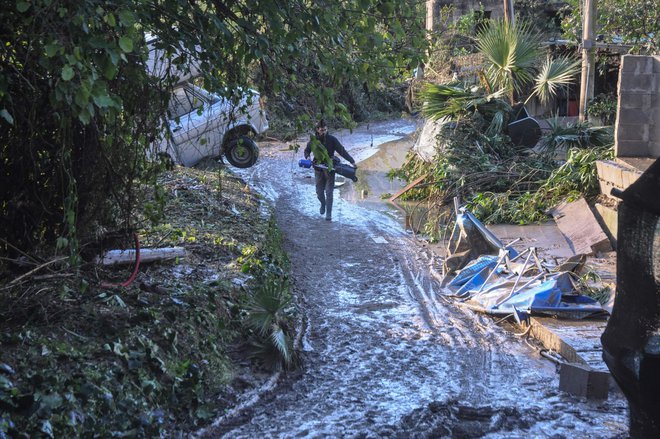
384 354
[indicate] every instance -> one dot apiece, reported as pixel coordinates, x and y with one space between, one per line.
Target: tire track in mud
468 333
384 355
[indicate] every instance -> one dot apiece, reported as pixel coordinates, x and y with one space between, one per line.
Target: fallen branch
34 270
115 257
407 188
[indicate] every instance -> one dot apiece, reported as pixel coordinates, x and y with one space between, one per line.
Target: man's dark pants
325 185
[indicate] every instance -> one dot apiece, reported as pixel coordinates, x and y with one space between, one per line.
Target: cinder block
635 132
639 82
610 172
630 176
609 218
581 380
633 116
633 63
642 101
654 150
624 148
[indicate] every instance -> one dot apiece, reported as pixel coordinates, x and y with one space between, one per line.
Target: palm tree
513 53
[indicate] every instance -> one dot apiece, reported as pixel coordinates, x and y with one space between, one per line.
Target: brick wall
637 131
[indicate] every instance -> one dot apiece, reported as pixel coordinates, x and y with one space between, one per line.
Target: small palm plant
574 135
267 316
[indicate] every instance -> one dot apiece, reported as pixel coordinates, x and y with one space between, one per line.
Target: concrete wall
495 7
637 132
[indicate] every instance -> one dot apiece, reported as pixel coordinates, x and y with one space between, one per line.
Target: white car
205 125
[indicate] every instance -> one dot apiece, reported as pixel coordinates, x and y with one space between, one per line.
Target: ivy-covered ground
166 352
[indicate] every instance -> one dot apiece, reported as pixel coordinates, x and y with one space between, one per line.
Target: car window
183 101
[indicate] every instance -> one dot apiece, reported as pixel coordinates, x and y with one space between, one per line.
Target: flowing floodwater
384 354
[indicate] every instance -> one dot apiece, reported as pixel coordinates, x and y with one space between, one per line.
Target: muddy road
384 354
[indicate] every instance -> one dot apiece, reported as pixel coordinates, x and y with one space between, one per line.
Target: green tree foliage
634 22
541 14
78 109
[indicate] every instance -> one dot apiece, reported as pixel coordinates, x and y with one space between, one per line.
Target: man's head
321 129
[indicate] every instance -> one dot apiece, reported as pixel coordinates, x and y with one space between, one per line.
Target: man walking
324 146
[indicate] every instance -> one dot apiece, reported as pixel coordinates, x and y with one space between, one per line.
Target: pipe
135 268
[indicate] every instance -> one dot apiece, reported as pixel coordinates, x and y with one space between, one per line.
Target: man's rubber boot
322 209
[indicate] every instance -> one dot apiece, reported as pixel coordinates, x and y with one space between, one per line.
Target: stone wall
492 8
637 131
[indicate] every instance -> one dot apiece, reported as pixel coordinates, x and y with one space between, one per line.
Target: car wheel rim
240 153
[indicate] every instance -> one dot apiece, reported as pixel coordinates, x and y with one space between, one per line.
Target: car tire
242 152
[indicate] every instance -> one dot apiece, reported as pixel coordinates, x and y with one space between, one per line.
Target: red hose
135 268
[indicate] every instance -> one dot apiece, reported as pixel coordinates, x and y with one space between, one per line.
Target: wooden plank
407 188
578 223
113 257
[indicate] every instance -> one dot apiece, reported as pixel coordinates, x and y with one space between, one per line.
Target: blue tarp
496 285
504 296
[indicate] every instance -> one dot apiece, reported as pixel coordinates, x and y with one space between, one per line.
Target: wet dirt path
384 355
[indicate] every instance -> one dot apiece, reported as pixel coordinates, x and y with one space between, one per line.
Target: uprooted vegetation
505 183
79 356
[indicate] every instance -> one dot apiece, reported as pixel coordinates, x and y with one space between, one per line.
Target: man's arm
339 148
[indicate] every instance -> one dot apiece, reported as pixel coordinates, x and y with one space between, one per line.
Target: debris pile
487 276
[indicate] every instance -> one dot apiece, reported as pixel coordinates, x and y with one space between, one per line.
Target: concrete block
611 172
637 83
634 116
606 188
642 101
581 380
625 148
639 133
637 64
609 218
580 227
654 150
629 177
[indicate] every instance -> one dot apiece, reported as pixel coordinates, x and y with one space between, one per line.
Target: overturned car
205 125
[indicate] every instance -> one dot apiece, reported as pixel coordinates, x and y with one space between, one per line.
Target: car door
192 119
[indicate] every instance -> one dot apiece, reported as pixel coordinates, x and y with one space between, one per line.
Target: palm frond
601 136
443 100
511 51
267 316
496 124
282 343
554 73
457 101
577 135
267 303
